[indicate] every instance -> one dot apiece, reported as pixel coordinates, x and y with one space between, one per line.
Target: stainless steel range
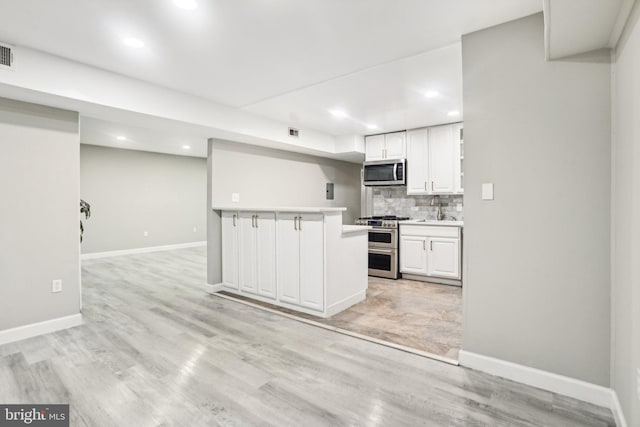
383 245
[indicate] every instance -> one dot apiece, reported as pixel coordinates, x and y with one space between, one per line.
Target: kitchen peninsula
300 258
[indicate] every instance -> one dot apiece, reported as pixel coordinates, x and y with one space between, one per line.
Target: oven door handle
381 251
395 171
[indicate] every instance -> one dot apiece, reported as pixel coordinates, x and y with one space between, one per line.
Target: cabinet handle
424 245
234 220
300 223
425 186
256 221
431 245
295 224
432 186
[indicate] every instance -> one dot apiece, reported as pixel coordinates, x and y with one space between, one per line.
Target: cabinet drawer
429 231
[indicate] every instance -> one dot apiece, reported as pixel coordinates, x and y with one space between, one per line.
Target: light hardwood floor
156 350
420 315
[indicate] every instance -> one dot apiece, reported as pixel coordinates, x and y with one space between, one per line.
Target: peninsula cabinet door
311 231
288 258
230 249
247 250
265 232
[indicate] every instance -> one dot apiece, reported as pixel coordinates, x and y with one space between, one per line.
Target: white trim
107 254
35 329
581 390
346 303
212 289
618 414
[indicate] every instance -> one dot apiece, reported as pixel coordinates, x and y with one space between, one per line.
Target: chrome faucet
440 215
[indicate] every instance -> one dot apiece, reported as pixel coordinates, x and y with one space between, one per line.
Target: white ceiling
284 59
171 139
579 26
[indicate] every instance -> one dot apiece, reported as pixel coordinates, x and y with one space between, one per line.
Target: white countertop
433 222
346 229
278 209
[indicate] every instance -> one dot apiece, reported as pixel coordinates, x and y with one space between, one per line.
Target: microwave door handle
395 171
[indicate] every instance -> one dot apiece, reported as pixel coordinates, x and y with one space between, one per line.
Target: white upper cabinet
441 160
434 160
374 148
395 145
390 146
417 161
230 249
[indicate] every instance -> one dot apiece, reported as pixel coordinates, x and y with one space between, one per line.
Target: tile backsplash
395 201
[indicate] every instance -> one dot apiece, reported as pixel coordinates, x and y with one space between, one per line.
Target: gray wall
39 236
537 278
267 177
131 192
626 220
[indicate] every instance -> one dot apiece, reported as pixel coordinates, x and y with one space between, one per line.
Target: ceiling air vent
6 56
293 132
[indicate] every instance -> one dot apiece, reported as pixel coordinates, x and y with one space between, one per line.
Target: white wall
131 192
267 177
537 278
626 220
39 211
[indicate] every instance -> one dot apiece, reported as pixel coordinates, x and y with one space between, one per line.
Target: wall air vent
6 56
293 132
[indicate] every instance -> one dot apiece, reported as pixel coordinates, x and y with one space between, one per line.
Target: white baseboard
107 254
618 415
212 289
581 390
35 329
346 303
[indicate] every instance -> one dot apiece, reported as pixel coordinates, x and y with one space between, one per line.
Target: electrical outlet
235 197
56 285
195 229
145 234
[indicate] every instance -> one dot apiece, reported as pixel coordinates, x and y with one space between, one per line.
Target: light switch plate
56 285
487 191
235 197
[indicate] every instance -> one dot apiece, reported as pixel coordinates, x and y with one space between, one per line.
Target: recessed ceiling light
186 147
372 127
186 4
338 113
133 42
431 94
121 138
453 113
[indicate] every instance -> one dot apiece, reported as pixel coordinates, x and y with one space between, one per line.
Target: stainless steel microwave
385 172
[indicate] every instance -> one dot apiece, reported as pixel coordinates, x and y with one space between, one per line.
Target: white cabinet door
417 161
395 145
311 231
413 254
458 155
265 233
441 159
230 249
374 148
288 258
444 257
247 250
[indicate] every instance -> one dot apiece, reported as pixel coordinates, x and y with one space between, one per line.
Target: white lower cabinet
443 259
413 254
301 259
431 251
257 253
230 254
